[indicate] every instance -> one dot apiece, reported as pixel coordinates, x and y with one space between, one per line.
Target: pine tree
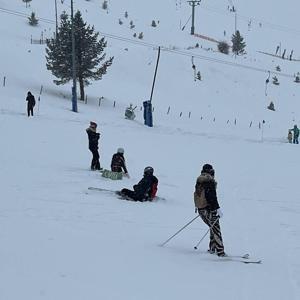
153 24
198 76
90 64
33 21
238 44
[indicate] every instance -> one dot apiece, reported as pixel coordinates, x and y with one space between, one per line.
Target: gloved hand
219 213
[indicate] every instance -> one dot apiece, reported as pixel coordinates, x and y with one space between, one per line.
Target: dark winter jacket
205 195
30 99
296 131
146 188
93 138
118 163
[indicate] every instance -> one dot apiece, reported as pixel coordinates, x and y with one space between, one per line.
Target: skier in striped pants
206 202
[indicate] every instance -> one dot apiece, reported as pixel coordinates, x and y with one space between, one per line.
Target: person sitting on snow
145 190
118 162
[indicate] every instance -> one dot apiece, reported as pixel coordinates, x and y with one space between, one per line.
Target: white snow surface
59 240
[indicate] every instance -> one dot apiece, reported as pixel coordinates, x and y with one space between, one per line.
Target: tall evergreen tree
238 44
90 64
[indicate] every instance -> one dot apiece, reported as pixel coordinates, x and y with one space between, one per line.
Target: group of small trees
32 20
139 36
89 56
238 45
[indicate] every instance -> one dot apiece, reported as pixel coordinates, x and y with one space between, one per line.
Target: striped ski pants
210 218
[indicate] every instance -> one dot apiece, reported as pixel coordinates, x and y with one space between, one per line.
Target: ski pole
179 231
196 247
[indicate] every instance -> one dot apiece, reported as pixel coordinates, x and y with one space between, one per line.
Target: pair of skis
246 259
118 193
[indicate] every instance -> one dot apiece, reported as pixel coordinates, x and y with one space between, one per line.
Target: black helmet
148 171
207 168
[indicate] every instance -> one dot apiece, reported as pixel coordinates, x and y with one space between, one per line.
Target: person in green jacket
296 134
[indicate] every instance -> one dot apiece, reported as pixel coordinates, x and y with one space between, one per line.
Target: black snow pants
131 194
95 164
29 110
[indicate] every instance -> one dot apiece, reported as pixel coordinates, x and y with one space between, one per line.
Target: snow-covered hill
61 241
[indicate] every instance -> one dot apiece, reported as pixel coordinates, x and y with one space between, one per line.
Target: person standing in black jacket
94 136
206 203
145 190
30 103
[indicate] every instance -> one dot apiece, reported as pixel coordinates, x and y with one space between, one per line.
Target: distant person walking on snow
94 136
206 203
118 162
145 190
30 104
290 136
296 134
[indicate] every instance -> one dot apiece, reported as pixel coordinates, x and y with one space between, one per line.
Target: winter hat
93 124
120 150
29 93
207 168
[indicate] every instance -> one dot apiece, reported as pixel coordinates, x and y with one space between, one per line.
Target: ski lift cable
155 46
190 54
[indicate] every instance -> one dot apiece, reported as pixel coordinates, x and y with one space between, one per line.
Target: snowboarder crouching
206 203
145 190
118 162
